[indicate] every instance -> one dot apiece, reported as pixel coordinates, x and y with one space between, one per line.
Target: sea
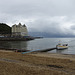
42 43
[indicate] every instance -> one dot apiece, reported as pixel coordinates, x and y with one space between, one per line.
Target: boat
61 46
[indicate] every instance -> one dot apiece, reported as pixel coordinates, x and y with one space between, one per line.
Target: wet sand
13 63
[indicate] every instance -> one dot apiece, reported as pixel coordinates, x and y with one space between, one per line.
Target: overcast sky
55 17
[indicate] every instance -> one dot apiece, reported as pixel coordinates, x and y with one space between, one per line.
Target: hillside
5 29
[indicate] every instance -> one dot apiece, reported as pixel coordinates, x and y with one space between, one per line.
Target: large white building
19 30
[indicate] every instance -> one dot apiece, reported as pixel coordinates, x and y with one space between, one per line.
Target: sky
52 18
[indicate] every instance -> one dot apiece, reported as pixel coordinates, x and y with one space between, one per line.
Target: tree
5 29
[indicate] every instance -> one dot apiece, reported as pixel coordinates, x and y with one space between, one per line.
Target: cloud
55 17
55 26
35 7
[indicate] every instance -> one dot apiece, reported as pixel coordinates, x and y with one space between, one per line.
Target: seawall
15 39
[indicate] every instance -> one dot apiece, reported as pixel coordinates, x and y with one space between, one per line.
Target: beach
36 63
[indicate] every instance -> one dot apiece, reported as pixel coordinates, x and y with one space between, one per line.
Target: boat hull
61 47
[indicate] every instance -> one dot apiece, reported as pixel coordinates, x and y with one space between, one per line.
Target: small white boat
61 46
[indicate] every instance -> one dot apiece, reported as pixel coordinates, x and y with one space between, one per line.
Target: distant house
19 30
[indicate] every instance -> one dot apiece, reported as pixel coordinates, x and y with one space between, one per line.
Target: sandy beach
14 63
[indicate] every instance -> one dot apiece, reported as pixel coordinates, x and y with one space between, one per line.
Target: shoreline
16 38
36 63
24 50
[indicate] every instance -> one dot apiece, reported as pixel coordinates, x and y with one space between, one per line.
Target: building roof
24 25
19 25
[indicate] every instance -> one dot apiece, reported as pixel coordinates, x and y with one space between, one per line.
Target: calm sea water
44 43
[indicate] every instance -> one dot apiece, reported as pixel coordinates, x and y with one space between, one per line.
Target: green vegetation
5 29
